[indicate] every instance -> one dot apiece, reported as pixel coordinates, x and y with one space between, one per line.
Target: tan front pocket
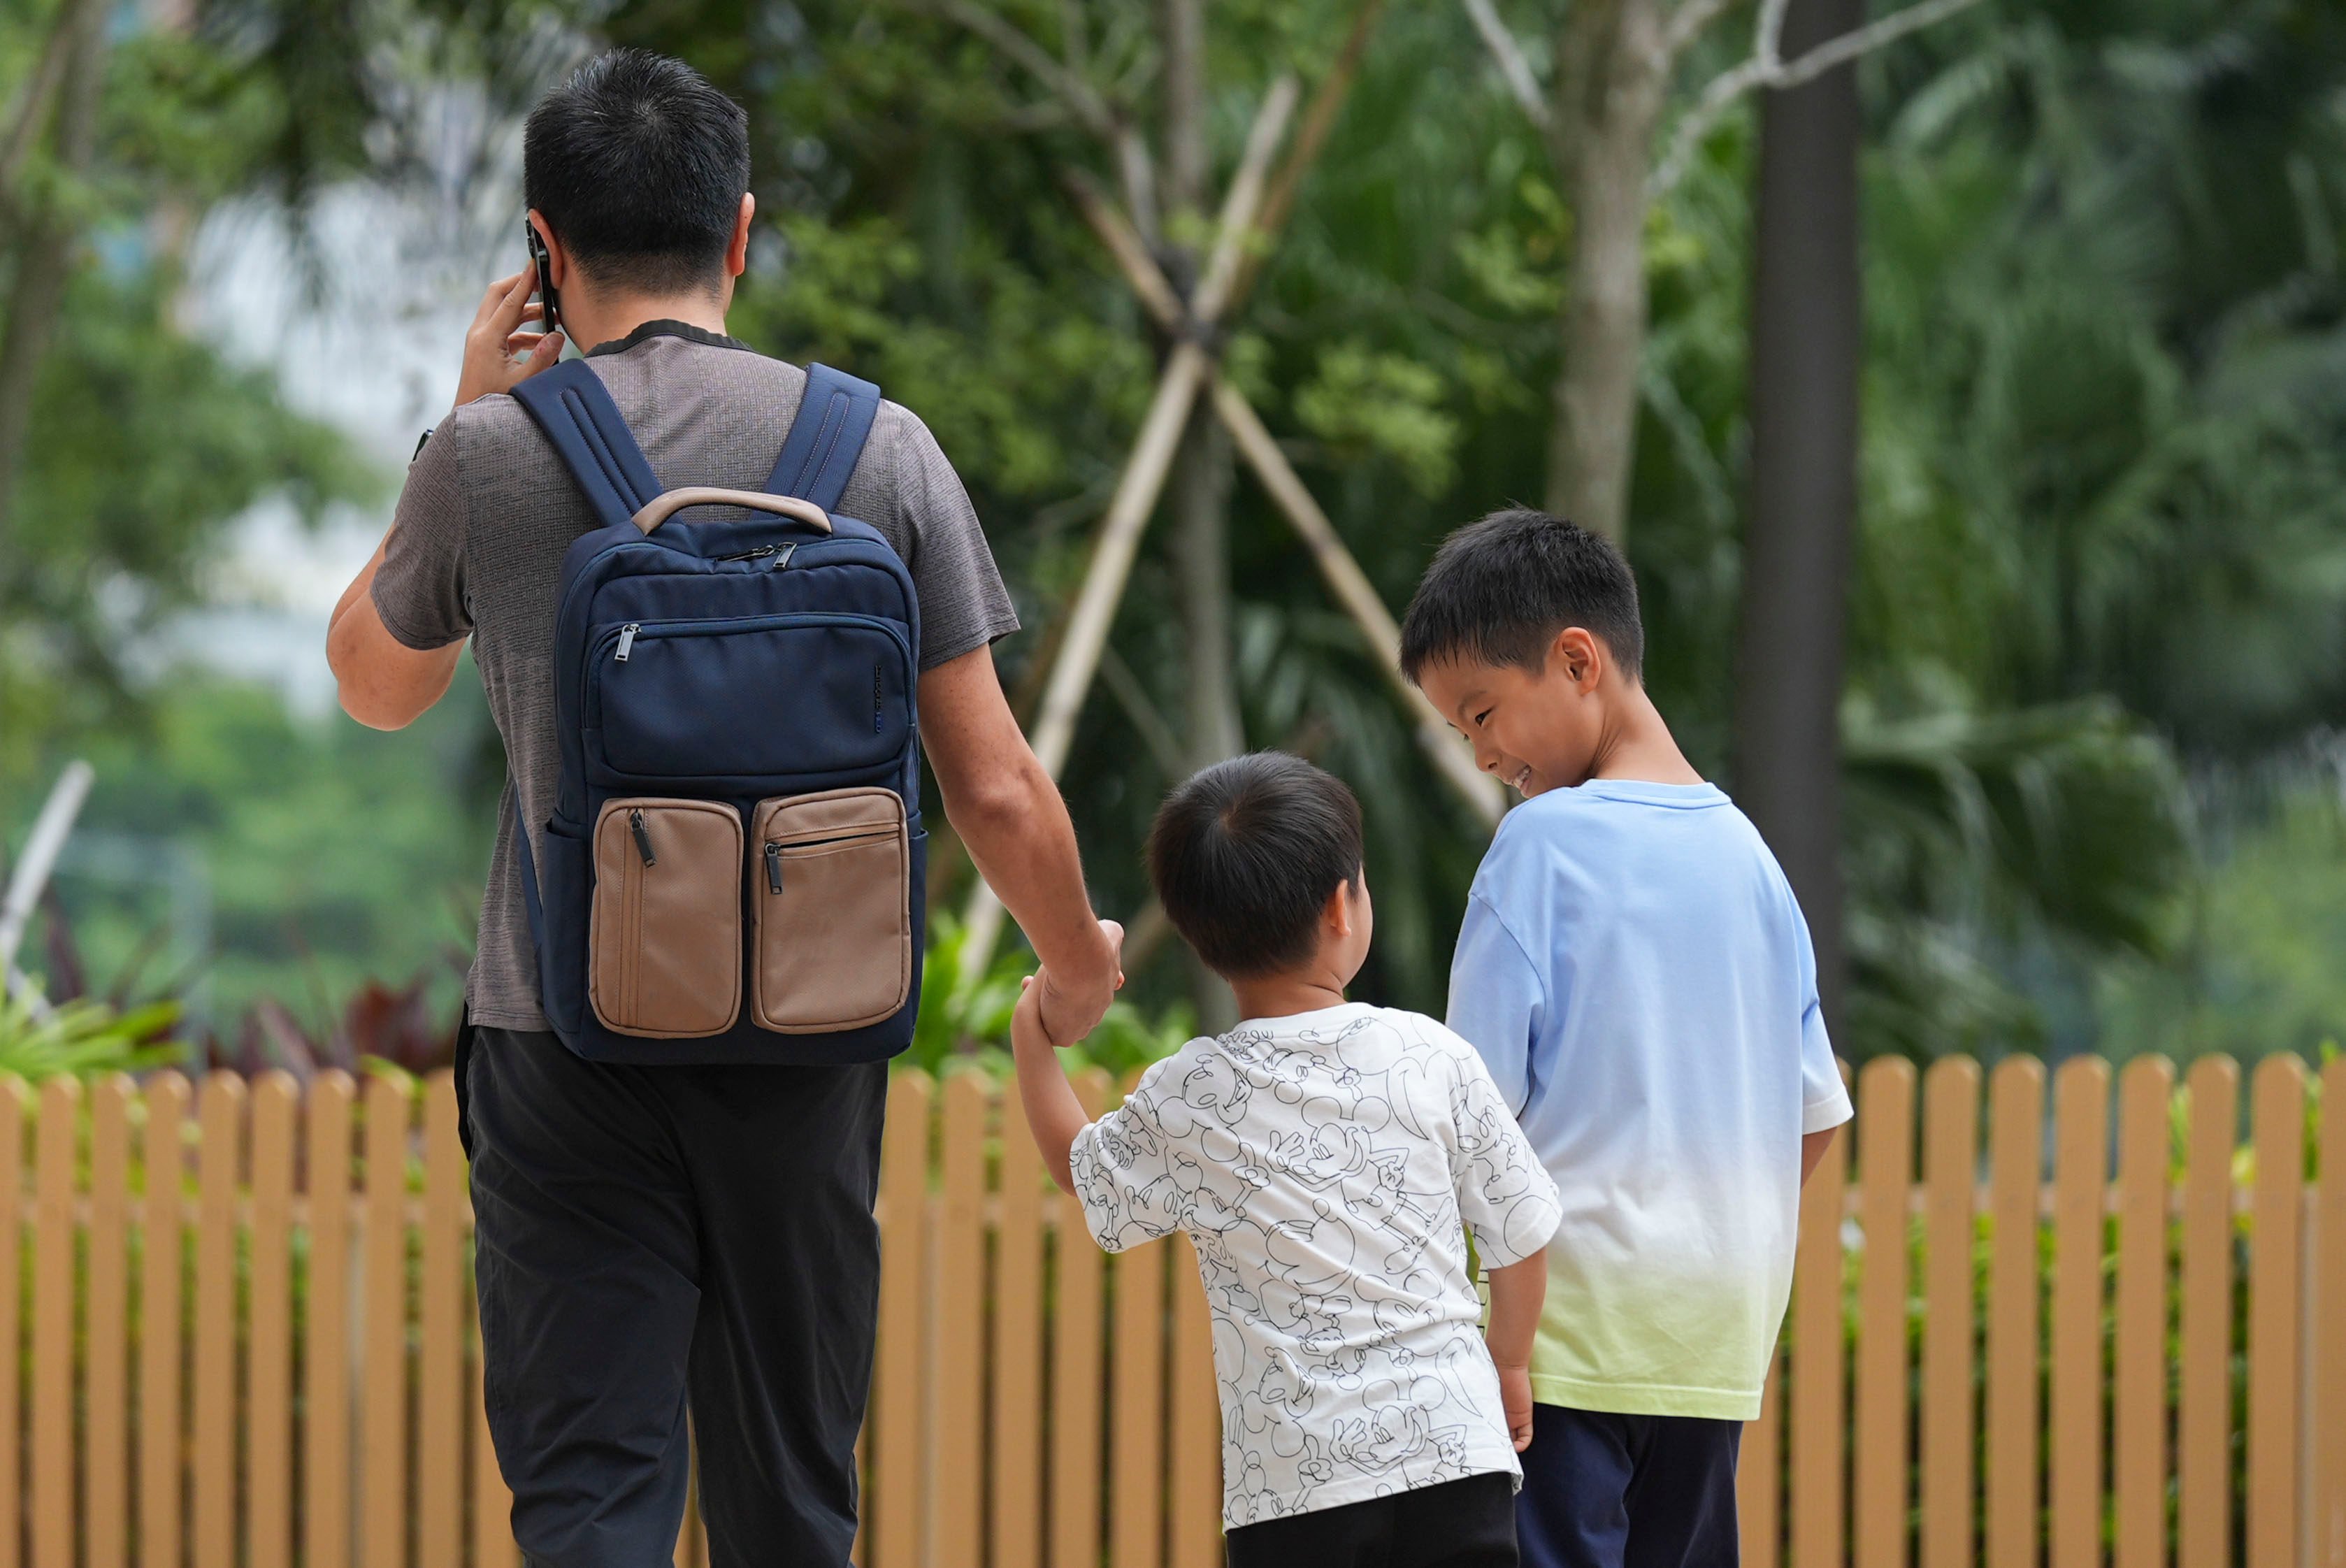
663 950
834 921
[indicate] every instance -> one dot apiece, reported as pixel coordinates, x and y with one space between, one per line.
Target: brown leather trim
661 507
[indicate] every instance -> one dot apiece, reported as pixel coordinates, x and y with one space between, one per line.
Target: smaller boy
1637 974
1327 1160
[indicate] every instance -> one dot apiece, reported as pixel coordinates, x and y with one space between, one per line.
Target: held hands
1516 1397
500 351
1067 1008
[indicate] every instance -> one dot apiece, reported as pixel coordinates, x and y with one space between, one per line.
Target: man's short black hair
1500 589
638 165
1245 855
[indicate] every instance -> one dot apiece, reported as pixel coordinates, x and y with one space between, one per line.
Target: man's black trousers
647 1233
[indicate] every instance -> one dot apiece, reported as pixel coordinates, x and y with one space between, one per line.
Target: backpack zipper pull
782 556
627 640
773 867
643 836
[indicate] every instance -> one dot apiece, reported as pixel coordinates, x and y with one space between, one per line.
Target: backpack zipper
782 552
773 867
643 836
627 640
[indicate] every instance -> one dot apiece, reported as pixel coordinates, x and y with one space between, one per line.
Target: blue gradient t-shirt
1636 973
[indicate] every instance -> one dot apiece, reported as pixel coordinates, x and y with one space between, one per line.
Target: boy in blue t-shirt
1635 970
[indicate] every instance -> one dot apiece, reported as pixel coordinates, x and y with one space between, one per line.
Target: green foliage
331 853
82 1038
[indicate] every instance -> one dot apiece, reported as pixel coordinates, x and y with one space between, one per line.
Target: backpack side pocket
664 951
833 892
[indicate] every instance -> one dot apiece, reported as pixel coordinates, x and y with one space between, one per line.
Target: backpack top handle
661 507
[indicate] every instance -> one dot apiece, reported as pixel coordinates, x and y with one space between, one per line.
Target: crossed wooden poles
1253 209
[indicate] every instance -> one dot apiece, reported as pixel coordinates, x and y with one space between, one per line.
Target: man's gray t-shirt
489 510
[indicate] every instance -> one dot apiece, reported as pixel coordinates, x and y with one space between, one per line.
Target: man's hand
1515 1397
500 351
1067 1009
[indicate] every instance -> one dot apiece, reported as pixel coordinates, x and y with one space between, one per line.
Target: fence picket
2081 1099
440 1315
382 1413
1077 1345
2204 1395
1950 1329
1820 1380
1017 1433
55 1151
1193 1527
1759 1475
1885 1128
269 1357
106 1446
326 1342
892 1521
12 1098
1136 1410
2326 1498
2275 1297
956 1522
2138 1408
2017 1131
219 1166
159 1322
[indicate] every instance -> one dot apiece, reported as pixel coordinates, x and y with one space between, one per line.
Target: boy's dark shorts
1466 1524
1628 1492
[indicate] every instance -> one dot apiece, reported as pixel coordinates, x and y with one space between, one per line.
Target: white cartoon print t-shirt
1326 1167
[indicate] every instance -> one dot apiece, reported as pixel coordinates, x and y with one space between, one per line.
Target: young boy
1327 1159
1637 974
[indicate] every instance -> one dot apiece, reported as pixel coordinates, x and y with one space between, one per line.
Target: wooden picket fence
243 1332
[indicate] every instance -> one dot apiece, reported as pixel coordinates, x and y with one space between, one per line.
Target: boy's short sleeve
1498 1000
1505 1196
1122 1166
1824 1099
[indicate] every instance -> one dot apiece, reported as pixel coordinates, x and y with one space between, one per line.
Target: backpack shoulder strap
574 410
819 455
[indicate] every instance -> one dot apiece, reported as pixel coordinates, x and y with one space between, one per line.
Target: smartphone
553 321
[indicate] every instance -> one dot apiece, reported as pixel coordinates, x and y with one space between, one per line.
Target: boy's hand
500 352
1026 1031
1515 1397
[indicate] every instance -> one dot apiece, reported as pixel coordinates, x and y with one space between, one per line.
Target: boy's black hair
638 165
1245 854
1500 589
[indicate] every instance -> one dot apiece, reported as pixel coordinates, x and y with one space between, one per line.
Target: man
646 1231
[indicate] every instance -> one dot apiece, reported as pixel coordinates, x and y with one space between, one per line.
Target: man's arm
1015 828
382 683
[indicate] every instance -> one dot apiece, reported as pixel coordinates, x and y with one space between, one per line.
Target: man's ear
558 259
736 254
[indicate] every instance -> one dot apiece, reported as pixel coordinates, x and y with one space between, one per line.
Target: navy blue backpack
733 870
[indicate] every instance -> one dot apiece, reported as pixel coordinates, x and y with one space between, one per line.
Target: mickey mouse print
1327 1167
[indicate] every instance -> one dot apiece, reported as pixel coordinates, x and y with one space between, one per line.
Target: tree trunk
44 256
1199 486
1609 88
1805 358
